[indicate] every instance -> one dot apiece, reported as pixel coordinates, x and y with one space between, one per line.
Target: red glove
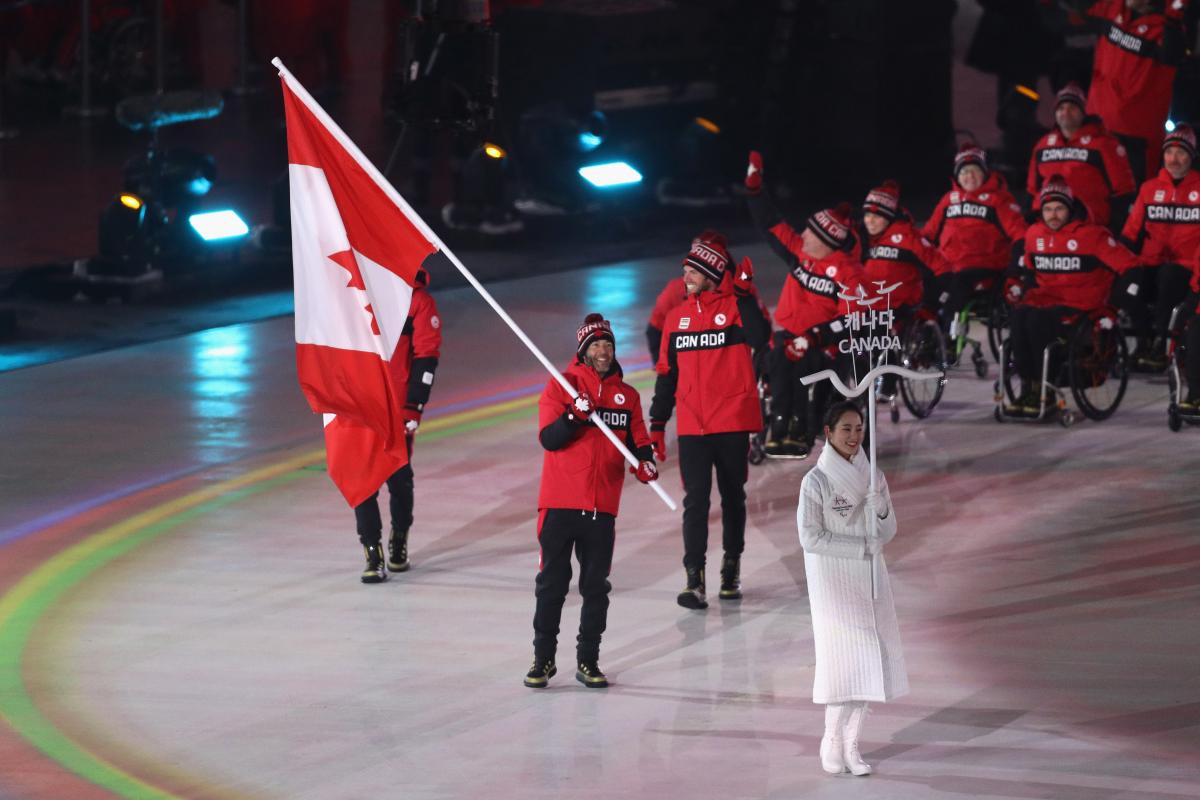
743 277
796 348
754 172
412 419
658 439
1176 9
645 472
1013 290
580 408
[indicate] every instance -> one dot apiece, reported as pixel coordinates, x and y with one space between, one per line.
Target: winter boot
776 435
375 571
731 578
854 718
398 551
588 673
831 743
541 672
693 595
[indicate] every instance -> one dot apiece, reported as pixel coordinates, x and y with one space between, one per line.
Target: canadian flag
356 249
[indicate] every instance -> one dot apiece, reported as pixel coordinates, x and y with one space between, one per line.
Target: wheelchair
986 306
1176 382
1091 362
923 348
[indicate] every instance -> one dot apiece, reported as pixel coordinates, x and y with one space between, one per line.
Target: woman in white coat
857 639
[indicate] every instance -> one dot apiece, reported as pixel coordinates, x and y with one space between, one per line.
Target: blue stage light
199 186
214 225
589 141
614 173
1169 125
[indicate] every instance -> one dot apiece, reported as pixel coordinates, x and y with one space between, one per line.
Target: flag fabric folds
355 256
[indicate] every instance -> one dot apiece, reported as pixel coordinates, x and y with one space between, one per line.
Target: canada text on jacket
700 341
1057 263
616 419
966 210
816 284
1173 213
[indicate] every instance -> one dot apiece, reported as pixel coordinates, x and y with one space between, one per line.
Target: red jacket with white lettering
1074 266
704 365
580 468
976 230
1133 71
1164 223
900 255
1093 163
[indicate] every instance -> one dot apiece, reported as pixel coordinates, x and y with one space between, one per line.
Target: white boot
855 715
831 742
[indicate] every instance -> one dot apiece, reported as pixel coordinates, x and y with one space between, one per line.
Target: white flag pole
383 183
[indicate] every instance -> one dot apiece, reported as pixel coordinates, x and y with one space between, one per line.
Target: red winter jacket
900 255
1164 223
1074 266
580 468
809 297
1133 71
419 346
704 366
1093 163
976 229
675 292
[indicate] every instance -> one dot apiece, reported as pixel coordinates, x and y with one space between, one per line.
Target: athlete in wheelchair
898 262
1062 330
974 227
1183 357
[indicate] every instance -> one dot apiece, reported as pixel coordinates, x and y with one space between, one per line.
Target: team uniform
674 293
706 375
578 501
1133 75
809 311
1164 227
1072 270
974 232
1093 162
417 352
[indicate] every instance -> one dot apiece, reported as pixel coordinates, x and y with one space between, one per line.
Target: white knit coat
857 639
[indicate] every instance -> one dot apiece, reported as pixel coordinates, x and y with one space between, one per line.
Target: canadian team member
705 370
419 346
582 477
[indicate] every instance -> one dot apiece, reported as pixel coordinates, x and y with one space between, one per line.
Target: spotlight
608 175
1169 125
493 150
131 201
217 225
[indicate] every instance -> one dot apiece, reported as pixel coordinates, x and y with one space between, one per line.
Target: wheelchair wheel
1098 366
924 351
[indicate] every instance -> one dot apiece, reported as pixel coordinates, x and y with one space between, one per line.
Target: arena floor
181 616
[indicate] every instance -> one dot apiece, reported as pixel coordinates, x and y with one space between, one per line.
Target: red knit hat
1057 190
1071 93
970 153
832 225
1184 136
884 200
595 327
709 255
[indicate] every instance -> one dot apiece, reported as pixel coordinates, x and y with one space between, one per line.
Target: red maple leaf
345 260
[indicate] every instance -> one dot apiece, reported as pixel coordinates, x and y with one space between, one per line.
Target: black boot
693 595
541 672
398 551
375 571
589 674
774 445
731 578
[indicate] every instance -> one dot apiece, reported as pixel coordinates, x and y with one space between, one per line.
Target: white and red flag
356 249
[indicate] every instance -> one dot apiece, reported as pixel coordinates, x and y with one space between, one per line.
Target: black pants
1171 285
698 457
592 536
1191 357
400 504
1031 331
955 289
789 397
